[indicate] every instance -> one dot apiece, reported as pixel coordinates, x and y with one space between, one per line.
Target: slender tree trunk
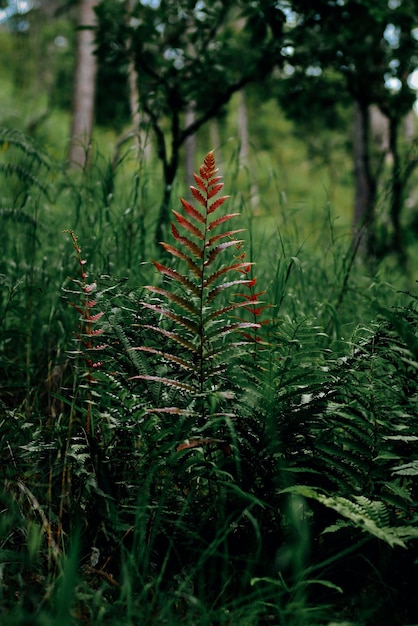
410 126
215 138
243 128
84 87
365 184
190 146
398 184
245 144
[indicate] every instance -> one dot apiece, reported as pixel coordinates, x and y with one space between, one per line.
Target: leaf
181 255
229 233
217 290
183 221
194 248
187 365
165 381
173 336
406 469
167 271
172 410
225 309
182 302
221 271
198 196
180 319
220 248
189 208
215 205
361 514
221 220
214 190
231 328
199 182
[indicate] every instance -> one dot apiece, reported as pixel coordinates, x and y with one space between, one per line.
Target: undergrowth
211 445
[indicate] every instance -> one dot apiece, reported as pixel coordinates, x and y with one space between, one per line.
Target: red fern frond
200 332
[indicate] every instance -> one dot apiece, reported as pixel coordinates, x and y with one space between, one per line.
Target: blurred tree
84 85
189 56
366 49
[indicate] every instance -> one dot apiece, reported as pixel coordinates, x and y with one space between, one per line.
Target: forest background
250 481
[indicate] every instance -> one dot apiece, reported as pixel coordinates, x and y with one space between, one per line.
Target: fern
371 516
193 318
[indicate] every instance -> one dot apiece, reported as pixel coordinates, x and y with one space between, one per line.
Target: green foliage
199 456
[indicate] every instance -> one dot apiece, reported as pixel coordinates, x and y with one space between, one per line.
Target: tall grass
296 491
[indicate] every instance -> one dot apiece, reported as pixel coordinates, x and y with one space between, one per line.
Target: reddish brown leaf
165 381
182 302
217 250
189 208
167 271
173 336
199 441
179 319
231 328
221 271
229 233
208 170
198 196
221 220
181 255
96 317
215 205
214 190
187 365
183 221
215 180
195 249
171 410
200 183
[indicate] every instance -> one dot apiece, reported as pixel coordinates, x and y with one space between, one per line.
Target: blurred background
310 104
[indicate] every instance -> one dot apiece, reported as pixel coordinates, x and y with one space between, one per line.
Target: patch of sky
391 35
290 15
153 4
176 55
199 10
287 51
16 7
313 70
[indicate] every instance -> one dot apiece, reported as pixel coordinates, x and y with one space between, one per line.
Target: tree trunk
365 183
84 87
243 128
244 146
190 147
397 187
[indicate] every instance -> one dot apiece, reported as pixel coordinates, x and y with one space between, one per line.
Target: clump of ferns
196 342
358 435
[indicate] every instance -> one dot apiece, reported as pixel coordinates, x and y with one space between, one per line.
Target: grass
300 492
